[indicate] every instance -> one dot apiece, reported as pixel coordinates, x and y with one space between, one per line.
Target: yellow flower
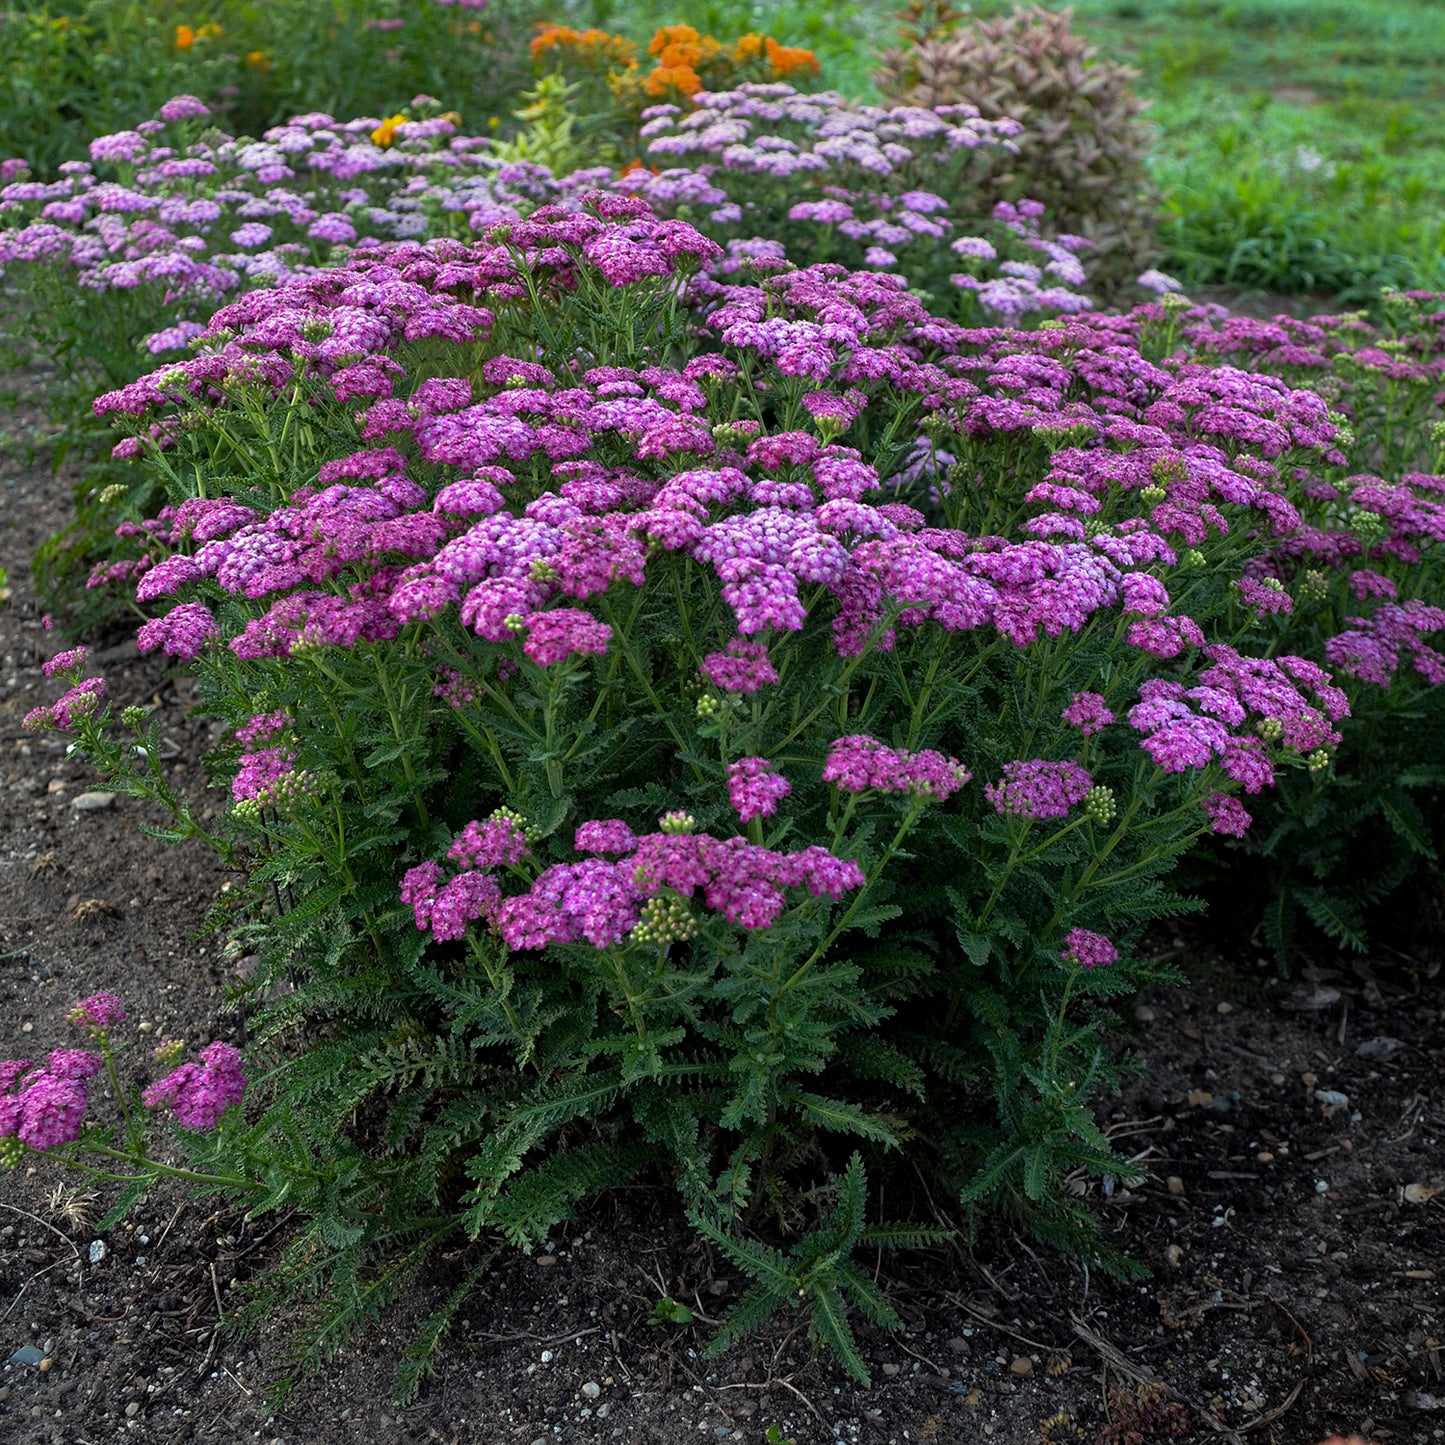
385 132
258 60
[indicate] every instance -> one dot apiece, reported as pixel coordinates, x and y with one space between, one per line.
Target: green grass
1302 142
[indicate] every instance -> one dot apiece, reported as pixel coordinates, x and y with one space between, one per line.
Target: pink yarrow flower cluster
198 1094
1038 788
44 1105
858 763
1089 949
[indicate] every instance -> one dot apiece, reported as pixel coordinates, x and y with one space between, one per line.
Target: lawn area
1302 142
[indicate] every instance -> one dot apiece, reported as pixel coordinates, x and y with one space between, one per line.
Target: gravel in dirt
1293 1218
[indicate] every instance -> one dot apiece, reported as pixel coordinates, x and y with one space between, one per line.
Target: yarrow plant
746 722
43 1107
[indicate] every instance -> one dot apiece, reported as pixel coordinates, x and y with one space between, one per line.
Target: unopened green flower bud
1271 729
511 815
677 822
830 428
316 328
132 717
112 494
1096 527
1370 528
708 706
168 1054
247 810
1437 434
514 622
540 570
1314 584
1193 557
1152 495
12 1151
1052 324
664 920
1318 760
1175 301
1099 805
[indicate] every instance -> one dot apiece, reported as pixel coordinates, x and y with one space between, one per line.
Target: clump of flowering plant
745 722
43 1107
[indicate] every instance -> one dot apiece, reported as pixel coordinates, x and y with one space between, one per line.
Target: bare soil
1293 1221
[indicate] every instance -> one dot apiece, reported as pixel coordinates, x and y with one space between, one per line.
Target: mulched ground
1294 1218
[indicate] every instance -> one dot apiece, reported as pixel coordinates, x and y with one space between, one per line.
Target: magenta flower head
859 764
1036 788
97 1013
755 789
744 667
605 835
1088 712
198 1094
1088 949
48 1110
1227 815
66 661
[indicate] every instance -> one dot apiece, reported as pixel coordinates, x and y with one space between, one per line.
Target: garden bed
1296 1241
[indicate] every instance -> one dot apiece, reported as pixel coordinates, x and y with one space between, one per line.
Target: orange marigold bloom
678 54
258 60
750 47
185 37
668 78
672 35
787 58
550 36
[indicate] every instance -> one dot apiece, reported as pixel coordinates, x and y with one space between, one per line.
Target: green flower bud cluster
1095 527
1194 558
1271 729
1055 437
1099 805
168 1054
133 717
514 622
247 810
288 790
1314 584
316 328
677 822
12 1151
664 920
1318 760
1437 434
1152 495
1370 528
1175 301
113 493
541 570
511 815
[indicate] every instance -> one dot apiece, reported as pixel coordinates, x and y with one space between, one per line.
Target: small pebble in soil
91 802
26 1355
592 1389
97 1251
1174 1184
1021 1366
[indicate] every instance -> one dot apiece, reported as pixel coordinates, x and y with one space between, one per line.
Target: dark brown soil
1294 1218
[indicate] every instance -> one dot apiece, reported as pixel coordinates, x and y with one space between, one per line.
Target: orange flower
386 131
185 37
750 47
668 78
258 60
636 165
679 53
672 35
549 37
787 58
